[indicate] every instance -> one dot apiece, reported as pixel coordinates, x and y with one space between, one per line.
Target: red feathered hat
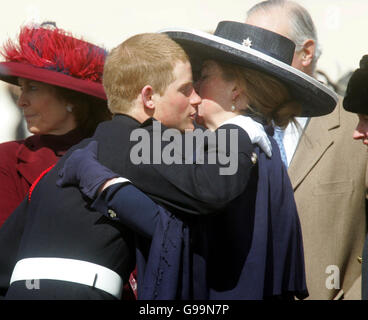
54 56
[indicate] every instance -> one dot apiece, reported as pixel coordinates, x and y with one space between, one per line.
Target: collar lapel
31 163
314 142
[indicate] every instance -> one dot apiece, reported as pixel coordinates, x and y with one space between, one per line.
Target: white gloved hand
255 131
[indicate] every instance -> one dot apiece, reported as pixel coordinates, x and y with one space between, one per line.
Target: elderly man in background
329 184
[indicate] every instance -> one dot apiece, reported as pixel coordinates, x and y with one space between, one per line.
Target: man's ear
147 94
309 48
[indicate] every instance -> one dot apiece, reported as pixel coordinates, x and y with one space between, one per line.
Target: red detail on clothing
21 162
130 288
37 181
133 282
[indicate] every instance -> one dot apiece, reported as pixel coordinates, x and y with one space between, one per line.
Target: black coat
58 222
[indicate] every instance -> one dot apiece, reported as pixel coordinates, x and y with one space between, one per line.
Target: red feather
57 50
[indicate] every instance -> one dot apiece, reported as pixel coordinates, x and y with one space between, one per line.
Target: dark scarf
61 143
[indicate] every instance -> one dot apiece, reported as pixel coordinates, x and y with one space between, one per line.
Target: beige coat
328 176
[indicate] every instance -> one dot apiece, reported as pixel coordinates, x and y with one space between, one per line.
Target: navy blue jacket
252 250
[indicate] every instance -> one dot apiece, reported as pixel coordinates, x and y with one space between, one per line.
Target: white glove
255 131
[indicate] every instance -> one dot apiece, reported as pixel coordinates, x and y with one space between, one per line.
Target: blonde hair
144 59
266 95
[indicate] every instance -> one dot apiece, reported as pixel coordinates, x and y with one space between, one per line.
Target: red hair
56 50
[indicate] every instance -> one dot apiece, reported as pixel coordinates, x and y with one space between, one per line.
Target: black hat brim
315 98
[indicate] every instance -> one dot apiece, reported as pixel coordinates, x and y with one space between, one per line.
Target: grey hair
301 23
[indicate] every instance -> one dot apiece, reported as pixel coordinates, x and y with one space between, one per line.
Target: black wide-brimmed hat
356 95
260 49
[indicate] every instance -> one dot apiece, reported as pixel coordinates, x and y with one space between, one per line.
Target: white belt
70 270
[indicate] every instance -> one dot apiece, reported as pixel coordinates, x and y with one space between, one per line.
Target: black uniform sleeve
196 188
203 188
10 238
127 204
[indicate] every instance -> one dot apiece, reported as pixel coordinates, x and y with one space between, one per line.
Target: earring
233 108
69 108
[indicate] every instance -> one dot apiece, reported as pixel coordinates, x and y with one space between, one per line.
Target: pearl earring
233 108
69 108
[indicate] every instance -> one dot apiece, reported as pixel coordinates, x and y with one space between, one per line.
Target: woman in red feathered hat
62 99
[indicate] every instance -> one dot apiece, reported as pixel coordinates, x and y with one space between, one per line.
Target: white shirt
292 136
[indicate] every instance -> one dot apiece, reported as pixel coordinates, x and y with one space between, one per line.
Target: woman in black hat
62 100
253 250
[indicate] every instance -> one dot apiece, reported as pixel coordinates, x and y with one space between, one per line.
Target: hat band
267 42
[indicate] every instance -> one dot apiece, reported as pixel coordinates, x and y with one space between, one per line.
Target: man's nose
195 99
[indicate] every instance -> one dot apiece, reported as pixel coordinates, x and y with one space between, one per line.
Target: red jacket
21 162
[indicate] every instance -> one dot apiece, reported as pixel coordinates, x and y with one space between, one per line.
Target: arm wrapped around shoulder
83 170
130 206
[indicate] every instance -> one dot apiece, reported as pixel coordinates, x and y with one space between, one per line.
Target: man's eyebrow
187 87
189 83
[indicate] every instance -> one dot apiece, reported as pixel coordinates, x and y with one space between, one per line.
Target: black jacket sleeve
10 238
207 186
194 188
130 206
